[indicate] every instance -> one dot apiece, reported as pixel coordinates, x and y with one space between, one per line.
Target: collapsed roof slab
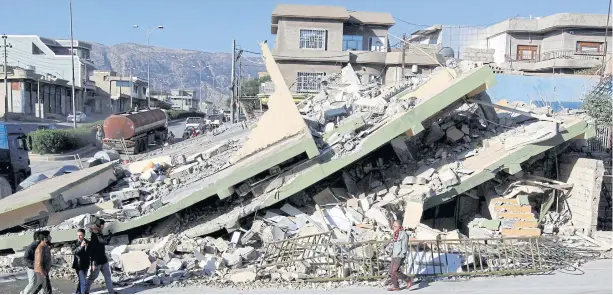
441 93
496 158
280 122
40 201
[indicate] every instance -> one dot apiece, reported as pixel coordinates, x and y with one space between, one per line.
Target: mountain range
174 68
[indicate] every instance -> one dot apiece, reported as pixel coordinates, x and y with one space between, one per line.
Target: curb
62 157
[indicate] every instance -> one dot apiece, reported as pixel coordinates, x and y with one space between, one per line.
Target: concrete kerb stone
63 157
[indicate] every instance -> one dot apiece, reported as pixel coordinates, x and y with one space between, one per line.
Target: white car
81 117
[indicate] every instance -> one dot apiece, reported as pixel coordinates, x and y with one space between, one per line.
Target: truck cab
14 160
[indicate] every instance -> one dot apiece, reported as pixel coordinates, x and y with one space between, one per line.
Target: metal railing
318 258
556 54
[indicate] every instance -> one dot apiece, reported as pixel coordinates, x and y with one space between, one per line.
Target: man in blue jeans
98 256
81 261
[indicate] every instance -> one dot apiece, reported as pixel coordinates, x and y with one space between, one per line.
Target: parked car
47 127
81 117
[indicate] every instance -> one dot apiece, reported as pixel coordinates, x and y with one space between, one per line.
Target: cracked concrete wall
586 176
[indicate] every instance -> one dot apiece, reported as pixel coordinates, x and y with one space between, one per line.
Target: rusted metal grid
318 257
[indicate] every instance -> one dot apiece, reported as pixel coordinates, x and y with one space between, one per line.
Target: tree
598 104
251 87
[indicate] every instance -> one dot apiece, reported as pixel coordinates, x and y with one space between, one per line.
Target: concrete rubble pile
345 109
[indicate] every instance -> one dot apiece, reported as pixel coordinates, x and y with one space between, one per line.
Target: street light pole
72 53
6 83
148 31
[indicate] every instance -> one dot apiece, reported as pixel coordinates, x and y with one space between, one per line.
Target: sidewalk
70 155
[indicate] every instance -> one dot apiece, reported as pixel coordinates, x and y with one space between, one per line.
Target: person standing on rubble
98 256
400 244
99 136
81 261
29 258
42 263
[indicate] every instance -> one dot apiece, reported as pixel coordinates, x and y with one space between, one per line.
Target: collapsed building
312 191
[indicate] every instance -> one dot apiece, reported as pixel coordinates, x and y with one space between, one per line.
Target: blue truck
14 160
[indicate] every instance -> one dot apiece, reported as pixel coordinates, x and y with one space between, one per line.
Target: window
36 50
589 47
308 82
353 43
377 44
526 52
313 39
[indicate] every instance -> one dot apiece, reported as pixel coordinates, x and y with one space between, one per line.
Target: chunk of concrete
425 172
448 177
232 259
148 176
435 133
247 253
453 134
412 214
175 264
167 245
88 200
377 214
125 194
414 180
135 261
243 276
208 265
183 171
117 251
152 205
325 197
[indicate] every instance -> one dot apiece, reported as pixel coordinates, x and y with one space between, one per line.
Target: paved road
597 279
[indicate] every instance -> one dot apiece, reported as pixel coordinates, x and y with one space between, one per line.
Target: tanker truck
132 132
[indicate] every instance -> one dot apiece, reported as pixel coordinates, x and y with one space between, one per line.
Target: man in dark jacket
98 256
29 257
81 261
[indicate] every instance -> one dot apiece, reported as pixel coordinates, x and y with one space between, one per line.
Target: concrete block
380 217
243 276
412 214
448 177
233 260
425 172
88 200
135 261
521 232
247 253
152 205
453 134
175 264
125 194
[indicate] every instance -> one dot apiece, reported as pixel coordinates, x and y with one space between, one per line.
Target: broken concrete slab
448 177
453 134
175 264
118 251
243 275
412 214
135 261
182 171
233 260
378 215
125 194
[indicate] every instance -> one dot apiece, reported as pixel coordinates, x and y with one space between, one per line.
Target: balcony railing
556 54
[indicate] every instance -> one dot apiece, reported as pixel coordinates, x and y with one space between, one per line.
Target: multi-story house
560 43
314 41
53 56
183 99
117 93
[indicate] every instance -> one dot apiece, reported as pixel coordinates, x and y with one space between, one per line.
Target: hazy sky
210 25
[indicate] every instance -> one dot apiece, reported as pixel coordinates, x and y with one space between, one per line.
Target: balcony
568 59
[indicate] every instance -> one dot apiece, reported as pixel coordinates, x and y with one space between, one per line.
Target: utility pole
233 81
132 89
72 53
6 82
238 89
404 51
606 37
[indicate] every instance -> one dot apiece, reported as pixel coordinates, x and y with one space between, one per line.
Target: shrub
62 140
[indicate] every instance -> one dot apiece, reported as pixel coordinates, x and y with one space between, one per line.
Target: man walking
42 261
81 261
29 258
400 244
98 256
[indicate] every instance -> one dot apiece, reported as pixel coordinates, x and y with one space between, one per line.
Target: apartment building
117 93
560 43
183 99
315 41
41 96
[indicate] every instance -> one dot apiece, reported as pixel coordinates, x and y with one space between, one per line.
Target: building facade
182 99
41 96
560 43
117 93
53 56
315 41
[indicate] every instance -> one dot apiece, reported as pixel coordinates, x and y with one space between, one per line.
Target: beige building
314 41
183 99
41 96
563 42
117 93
